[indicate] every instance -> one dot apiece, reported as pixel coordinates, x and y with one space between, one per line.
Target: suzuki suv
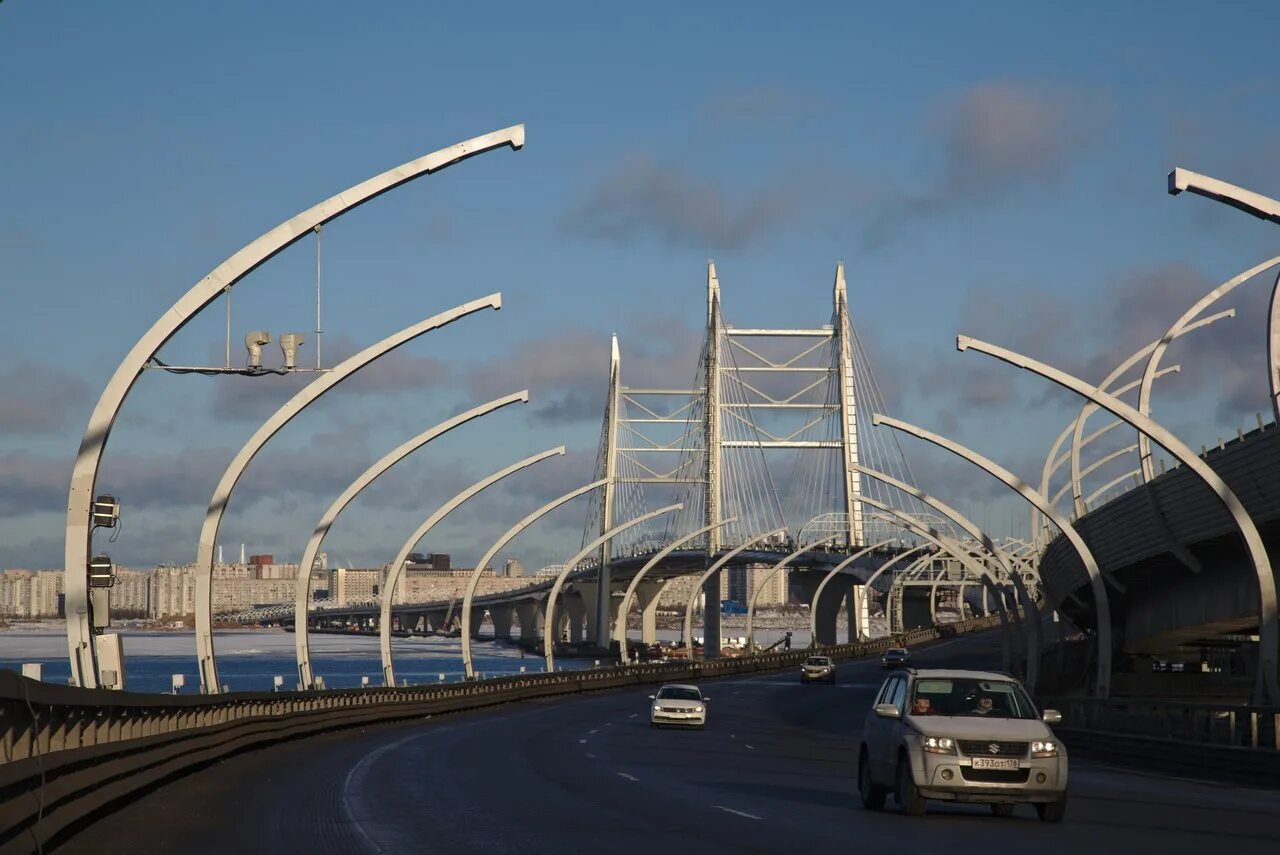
961 736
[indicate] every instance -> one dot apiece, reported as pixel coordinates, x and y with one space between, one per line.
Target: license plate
994 763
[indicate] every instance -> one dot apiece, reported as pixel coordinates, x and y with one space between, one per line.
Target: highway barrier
69 755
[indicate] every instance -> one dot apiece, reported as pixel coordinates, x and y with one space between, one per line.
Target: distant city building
512 567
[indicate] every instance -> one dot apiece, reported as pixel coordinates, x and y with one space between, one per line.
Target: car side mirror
653 697
705 699
888 711
1051 717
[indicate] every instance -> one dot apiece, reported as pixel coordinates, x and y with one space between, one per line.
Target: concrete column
829 609
711 616
530 618
589 594
853 611
647 593
502 616
477 615
576 609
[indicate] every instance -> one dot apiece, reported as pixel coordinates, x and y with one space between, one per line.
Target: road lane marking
752 747
590 756
628 777
582 742
737 812
634 715
594 732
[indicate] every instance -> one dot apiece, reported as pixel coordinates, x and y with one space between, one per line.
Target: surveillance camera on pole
289 343
253 342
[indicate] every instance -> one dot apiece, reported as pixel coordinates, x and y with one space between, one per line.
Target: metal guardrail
1226 725
68 755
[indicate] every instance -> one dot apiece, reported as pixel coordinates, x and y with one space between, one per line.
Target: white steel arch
506 538
1269 631
397 566
620 627
831 574
548 628
222 493
707 574
755 595
301 636
89 457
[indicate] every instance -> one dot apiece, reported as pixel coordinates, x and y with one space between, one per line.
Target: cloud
754 105
567 370
640 199
992 139
36 399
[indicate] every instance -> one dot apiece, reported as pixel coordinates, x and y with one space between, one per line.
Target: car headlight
938 744
1047 748
697 709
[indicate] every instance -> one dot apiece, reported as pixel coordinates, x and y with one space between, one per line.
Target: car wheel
1002 809
1052 811
872 796
907 794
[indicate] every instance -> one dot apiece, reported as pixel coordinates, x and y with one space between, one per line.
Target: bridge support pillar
477 616
576 607
501 616
647 593
711 616
529 616
854 608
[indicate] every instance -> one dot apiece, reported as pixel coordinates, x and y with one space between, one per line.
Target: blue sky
996 170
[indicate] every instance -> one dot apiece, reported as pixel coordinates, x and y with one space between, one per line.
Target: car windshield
895 651
976 698
817 660
677 693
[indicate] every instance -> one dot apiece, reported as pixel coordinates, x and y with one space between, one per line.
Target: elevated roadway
1169 609
774 772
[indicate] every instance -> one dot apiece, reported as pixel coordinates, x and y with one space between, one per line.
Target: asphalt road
773 772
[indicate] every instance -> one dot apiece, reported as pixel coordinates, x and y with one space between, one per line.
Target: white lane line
628 777
634 715
607 724
737 812
582 742
590 756
752 747
733 736
594 732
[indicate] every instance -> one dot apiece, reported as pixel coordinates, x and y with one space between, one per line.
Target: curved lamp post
1153 361
1100 598
548 627
501 542
889 564
620 628
950 547
1259 206
707 574
755 595
1032 624
1132 473
1093 467
397 566
831 574
913 571
85 474
1076 428
1269 632
302 592
222 493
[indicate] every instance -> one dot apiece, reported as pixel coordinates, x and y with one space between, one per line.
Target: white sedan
678 704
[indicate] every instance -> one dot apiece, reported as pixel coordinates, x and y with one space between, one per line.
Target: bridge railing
1220 724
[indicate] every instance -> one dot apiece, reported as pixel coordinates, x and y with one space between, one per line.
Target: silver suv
962 736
